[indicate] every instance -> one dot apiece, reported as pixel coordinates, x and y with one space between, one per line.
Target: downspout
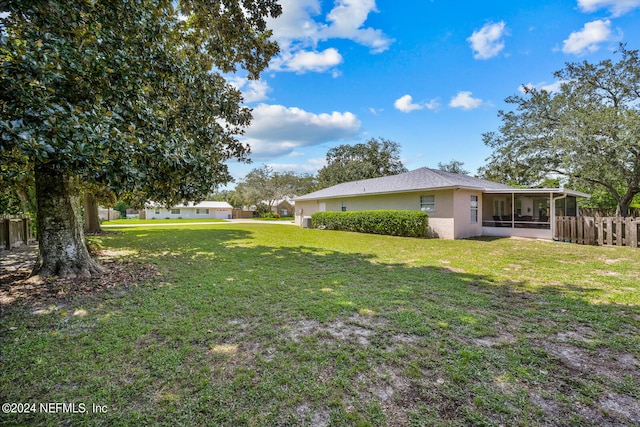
553 207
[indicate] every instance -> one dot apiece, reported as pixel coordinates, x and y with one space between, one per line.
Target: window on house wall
202 211
344 206
157 211
428 204
175 211
474 209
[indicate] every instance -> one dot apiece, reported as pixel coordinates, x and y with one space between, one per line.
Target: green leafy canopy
130 93
373 159
587 133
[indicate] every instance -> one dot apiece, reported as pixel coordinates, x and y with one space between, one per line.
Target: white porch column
513 210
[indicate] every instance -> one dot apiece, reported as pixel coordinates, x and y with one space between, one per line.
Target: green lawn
282 218
135 221
261 325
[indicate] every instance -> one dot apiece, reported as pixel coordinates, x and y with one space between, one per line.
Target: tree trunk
62 249
624 203
91 218
24 199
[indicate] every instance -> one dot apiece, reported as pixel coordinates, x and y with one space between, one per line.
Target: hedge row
394 223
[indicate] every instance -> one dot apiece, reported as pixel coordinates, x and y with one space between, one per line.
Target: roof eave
378 193
564 191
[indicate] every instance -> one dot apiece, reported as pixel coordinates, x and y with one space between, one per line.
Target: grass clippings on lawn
252 324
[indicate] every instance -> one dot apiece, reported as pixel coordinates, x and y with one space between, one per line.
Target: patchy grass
255 324
136 221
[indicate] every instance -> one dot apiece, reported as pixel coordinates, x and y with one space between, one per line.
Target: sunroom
527 212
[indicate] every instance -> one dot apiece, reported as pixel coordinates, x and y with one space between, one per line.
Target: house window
344 206
157 211
474 209
175 211
202 211
428 204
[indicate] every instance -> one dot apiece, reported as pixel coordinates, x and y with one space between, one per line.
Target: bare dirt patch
16 266
495 341
317 417
603 363
356 328
606 273
625 406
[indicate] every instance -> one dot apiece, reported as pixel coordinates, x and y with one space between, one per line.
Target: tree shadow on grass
305 291
473 348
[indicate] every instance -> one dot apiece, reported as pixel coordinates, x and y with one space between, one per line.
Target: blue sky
430 75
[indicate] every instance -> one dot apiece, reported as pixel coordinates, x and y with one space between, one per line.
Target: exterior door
500 207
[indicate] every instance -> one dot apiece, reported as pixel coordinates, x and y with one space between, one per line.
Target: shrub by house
391 222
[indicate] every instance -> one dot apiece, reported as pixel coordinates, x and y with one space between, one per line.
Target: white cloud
432 104
616 7
277 130
487 41
549 87
311 166
252 90
300 28
304 61
295 22
406 105
588 39
347 20
465 101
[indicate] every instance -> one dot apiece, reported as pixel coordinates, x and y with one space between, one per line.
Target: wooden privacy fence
15 231
586 230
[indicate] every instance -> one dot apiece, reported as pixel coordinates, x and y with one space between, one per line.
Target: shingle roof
415 180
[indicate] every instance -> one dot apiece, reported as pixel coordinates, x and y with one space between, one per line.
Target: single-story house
220 210
459 206
284 207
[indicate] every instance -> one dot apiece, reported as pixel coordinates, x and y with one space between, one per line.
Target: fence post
6 224
572 229
600 230
580 221
25 230
632 233
619 236
591 230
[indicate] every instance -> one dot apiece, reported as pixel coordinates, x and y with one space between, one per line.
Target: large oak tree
588 132
129 94
265 185
372 159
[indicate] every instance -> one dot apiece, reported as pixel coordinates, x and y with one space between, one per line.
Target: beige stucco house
459 206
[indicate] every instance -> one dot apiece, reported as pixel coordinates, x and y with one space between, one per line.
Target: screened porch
526 212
